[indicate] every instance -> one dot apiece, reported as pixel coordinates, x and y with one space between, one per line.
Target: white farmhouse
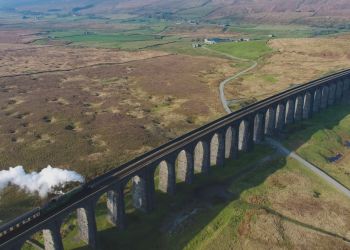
206 41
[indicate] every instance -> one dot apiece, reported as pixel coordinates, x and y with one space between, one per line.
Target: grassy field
127 40
281 31
184 46
103 38
326 135
292 62
251 50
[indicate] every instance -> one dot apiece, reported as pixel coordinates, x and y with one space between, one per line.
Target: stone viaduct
179 159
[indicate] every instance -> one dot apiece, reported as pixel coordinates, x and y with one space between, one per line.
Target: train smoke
41 182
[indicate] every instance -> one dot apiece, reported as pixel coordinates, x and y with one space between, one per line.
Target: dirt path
310 166
231 78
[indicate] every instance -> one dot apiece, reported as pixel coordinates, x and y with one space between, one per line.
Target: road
310 166
231 78
272 142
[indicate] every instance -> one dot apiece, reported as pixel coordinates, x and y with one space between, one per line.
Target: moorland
87 89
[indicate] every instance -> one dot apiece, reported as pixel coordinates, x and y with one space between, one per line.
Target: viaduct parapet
179 159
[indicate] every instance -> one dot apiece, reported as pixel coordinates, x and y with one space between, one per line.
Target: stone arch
259 128
87 224
217 150
316 100
346 84
115 205
202 157
19 244
228 142
110 204
307 106
270 121
339 91
100 208
70 222
121 203
35 238
143 190
244 136
52 236
290 110
346 88
298 112
185 168
280 116
167 178
331 94
83 218
324 97
231 143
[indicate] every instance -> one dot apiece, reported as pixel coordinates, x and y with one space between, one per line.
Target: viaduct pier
180 158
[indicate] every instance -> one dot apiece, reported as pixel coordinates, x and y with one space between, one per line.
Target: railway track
129 169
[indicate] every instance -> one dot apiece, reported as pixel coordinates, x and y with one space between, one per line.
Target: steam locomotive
54 203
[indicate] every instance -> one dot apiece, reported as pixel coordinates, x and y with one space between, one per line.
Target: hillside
293 11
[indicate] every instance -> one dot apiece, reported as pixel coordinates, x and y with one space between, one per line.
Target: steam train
40 211
53 204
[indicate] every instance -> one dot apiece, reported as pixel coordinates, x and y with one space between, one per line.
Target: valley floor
260 201
74 100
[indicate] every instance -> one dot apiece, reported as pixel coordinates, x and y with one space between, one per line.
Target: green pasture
251 50
103 38
264 31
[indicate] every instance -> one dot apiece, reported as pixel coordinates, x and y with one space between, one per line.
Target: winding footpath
284 151
231 78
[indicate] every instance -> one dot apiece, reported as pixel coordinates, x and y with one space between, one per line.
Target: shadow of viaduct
131 188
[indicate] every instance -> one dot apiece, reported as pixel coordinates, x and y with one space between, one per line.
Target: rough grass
41 59
262 31
268 207
325 136
91 120
294 61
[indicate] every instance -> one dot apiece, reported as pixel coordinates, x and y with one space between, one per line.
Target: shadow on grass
295 135
169 226
327 140
178 218
299 223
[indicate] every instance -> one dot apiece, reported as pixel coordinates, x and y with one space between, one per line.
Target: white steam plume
42 182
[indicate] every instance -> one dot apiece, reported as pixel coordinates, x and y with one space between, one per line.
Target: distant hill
287 11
